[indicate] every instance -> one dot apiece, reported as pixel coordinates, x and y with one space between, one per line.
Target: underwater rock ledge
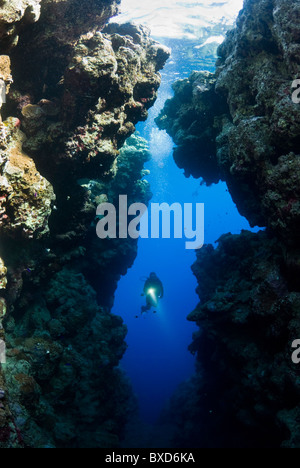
245 393
240 125
74 92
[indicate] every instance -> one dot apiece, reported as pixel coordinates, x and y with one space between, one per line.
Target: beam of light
152 293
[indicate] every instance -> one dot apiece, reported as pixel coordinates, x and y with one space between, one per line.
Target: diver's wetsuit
153 282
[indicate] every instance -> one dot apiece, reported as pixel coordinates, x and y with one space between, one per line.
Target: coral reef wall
72 90
241 125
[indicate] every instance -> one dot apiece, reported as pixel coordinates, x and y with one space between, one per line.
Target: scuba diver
153 290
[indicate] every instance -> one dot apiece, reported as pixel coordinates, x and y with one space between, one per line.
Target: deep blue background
157 359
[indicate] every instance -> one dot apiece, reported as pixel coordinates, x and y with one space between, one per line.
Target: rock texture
241 125
14 14
26 196
188 118
77 92
246 391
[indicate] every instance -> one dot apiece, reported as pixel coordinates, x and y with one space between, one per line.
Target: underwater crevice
245 392
63 387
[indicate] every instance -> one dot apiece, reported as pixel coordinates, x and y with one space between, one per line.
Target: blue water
157 359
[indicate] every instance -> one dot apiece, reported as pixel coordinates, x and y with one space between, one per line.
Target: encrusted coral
78 92
256 126
26 197
246 390
122 72
112 257
108 81
13 15
71 349
188 119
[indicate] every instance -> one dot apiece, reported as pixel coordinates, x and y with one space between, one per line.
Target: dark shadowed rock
253 134
76 96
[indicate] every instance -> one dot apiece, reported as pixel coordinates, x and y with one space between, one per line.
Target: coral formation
245 117
73 97
188 119
246 391
14 14
62 377
26 196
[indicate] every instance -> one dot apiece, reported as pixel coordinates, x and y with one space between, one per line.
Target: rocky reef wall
73 89
240 125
